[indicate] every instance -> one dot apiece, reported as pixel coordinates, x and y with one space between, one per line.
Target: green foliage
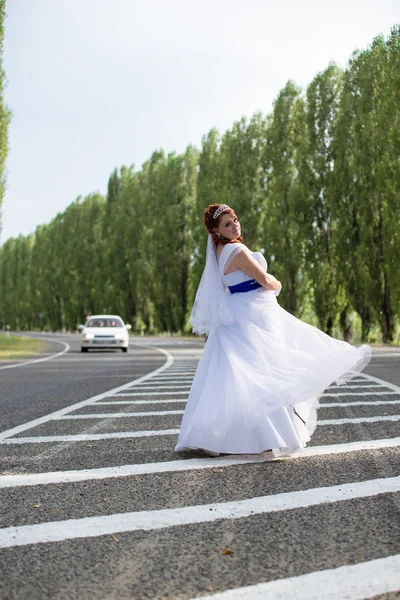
5 114
318 164
316 184
282 233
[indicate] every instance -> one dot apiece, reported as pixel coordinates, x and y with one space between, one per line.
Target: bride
262 371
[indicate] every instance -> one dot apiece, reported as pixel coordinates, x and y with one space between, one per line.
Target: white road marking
183 400
180 412
172 375
181 380
30 424
145 394
57 531
181 371
360 403
358 420
38 360
191 464
384 383
154 413
133 434
130 402
150 386
337 395
368 385
348 582
86 437
167 376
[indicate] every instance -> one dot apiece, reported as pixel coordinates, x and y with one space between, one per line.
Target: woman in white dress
262 371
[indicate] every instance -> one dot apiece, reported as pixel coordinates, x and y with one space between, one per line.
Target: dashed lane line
351 582
30 424
88 527
39 360
191 464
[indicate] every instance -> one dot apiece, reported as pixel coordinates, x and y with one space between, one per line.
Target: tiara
220 210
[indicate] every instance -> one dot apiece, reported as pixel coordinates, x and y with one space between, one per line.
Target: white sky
96 84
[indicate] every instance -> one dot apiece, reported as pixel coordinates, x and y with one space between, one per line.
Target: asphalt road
95 503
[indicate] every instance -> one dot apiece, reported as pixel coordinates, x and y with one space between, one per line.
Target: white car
104 331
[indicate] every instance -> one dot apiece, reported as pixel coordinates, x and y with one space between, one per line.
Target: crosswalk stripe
190 464
30 424
357 403
144 394
355 582
157 432
150 386
158 380
158 413
172 401
384 383
358 420
87 437
130 402
153 413
57 531
165 377
368 385
338 395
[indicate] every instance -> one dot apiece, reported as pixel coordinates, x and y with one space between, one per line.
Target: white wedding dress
256 370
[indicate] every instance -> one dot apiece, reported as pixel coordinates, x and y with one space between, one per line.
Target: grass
19 347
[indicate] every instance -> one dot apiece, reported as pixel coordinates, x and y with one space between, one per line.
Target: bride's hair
210 223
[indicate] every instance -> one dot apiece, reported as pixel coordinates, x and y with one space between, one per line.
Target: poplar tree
243 174
283 239
323 95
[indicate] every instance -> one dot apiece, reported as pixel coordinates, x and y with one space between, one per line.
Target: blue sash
245 286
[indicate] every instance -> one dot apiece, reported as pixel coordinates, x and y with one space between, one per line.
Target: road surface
95 503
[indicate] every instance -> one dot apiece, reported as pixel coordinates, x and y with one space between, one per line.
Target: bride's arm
251 267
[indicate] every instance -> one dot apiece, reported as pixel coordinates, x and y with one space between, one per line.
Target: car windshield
104 323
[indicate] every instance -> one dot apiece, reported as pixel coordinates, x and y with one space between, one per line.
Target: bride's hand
273 283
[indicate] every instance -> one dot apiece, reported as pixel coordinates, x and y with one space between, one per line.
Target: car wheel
84 349
124 349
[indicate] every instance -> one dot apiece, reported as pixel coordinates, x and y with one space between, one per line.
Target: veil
211 306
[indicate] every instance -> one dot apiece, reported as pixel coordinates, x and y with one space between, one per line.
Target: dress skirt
259 380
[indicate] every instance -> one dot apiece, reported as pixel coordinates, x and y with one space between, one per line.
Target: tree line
316 185
4 112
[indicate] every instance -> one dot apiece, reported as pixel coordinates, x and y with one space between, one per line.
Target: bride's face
229 226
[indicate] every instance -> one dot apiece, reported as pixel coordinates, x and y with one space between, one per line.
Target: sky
94 85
